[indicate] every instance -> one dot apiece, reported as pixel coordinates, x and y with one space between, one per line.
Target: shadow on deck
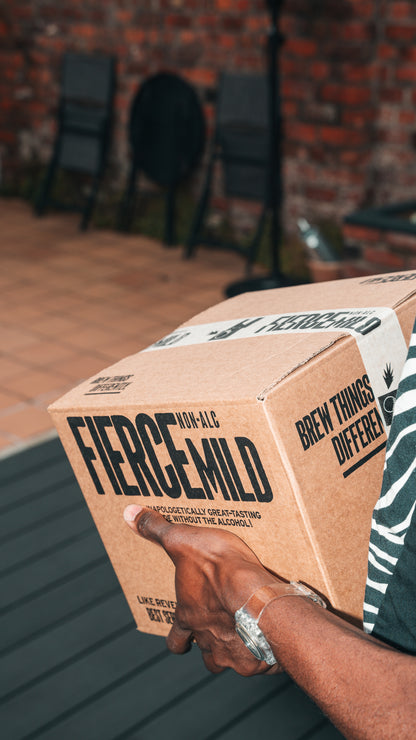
73 664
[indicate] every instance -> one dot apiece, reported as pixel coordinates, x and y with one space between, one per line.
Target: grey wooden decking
72 663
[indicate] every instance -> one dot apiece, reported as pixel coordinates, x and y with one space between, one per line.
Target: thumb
147 523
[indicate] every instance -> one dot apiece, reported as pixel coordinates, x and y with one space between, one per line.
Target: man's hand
367 688
216 572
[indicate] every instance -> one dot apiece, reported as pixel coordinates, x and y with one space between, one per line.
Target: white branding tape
376 330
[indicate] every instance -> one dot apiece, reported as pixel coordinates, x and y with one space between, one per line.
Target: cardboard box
266 415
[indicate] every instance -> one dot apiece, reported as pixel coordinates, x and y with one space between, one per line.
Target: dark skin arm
365 687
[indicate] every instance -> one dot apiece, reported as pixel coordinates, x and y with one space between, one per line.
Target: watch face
249 642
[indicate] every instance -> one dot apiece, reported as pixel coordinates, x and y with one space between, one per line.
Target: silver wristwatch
248 616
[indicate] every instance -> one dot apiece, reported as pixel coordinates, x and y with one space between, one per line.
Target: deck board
72 663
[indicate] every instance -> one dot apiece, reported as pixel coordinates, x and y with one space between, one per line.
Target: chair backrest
86 104
88 79
242 134
167 128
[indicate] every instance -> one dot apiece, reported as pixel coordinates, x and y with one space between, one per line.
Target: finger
147 523
179 640
211 665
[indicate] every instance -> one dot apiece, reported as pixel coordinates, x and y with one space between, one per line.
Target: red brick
7 137
301 47
401 242
201 76
391 95
124 16
407 118
178 21
320 70
361 73
357 31
400 10
361 233
232 23
339 136
409 54
317 193
345 94
383 257
295 89
134 35
406 73
386 51
302 132
227 41
207 20
222 5
256 24
84 31
358 117
405 33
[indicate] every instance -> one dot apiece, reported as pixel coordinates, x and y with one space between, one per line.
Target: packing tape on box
383 358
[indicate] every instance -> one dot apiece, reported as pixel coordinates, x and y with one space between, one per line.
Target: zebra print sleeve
395 508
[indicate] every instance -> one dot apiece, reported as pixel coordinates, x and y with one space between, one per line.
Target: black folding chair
241 143
167 136
84 127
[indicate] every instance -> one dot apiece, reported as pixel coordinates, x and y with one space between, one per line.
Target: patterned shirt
390 596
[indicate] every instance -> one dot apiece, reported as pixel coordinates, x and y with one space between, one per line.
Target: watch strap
265 594
248 616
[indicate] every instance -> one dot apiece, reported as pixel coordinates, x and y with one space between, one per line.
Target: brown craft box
276 436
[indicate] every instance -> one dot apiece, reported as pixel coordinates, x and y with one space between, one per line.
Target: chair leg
255 243
89 206
125 211
45 188
199 215
170 236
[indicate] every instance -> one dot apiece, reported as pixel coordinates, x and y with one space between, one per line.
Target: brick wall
348 82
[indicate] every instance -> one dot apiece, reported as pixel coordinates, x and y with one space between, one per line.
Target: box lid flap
270 337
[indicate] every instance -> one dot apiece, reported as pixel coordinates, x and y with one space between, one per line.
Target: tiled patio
72 303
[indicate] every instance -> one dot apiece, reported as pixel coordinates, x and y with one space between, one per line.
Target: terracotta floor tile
33 383
133 325
67 303
23 314
52 325
43 353
27 422
9 399
103 291
135 302
80 366
90 337
120 348
174 313
44 401
97 314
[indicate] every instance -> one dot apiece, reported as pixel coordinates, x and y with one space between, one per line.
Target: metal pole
275 279
275 171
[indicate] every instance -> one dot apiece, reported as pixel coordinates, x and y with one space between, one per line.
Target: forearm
366 688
